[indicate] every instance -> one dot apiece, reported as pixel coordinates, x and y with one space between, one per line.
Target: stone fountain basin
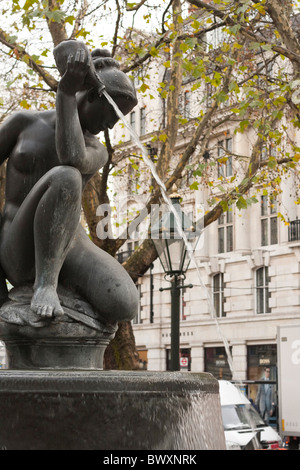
109 410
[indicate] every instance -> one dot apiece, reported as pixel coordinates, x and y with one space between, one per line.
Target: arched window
218 294
269 229
262 290
225 232
142 121
225 158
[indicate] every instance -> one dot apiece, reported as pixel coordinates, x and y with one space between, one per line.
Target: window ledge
293 243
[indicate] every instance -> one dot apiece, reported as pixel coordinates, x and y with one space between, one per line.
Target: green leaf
184 47
163 137
254 46
241 203
195 24
57 16
25 104
70 19
194 186
234 29
191 42
153 51
143 87
266 47
224 205
251 200
272 163
222 97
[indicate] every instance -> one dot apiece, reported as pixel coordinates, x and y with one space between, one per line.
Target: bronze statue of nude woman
51 156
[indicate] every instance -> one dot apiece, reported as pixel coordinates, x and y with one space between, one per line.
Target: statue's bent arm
10 131
70 143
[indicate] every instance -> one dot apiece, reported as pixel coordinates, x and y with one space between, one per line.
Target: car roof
231 395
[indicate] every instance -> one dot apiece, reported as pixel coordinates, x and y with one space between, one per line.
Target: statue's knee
128 304
69 175
69 181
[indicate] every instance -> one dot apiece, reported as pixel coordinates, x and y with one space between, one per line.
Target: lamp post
172 252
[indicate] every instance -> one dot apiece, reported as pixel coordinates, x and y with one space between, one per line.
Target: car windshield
241 417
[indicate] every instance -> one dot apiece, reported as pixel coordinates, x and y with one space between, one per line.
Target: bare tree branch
115 38
135 7
81 15
21 54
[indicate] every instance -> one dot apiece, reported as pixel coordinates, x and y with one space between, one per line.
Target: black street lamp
173 253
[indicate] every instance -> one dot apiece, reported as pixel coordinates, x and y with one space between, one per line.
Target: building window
224 158
137 77
185 360
265 73
132 119
187 105
133 175
184 105
218 295
143 359
122 256
225 232
182 302
142 121
209 94
262 291
216 363
259 357
190 179
131 179
268 151
294 230
152 152
269 229
137 319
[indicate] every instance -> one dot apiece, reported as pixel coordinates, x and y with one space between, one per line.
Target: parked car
243 426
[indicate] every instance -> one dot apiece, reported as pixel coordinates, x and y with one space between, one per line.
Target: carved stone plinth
75 341
55 347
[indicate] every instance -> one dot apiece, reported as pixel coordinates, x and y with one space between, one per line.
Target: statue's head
116 82
103 69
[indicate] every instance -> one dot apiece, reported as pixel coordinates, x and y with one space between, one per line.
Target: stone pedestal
101 410
61 346
74 341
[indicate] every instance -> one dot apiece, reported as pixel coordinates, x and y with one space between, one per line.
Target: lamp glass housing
170 246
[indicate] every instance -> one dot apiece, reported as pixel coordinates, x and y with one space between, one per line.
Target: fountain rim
102 381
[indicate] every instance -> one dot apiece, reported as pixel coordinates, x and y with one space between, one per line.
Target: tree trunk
57 28
121 353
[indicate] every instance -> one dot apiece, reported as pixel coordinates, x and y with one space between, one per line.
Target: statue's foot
45 302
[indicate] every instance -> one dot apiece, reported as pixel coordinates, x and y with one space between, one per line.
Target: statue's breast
35 150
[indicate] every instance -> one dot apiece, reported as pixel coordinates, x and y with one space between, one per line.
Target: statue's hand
77 69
